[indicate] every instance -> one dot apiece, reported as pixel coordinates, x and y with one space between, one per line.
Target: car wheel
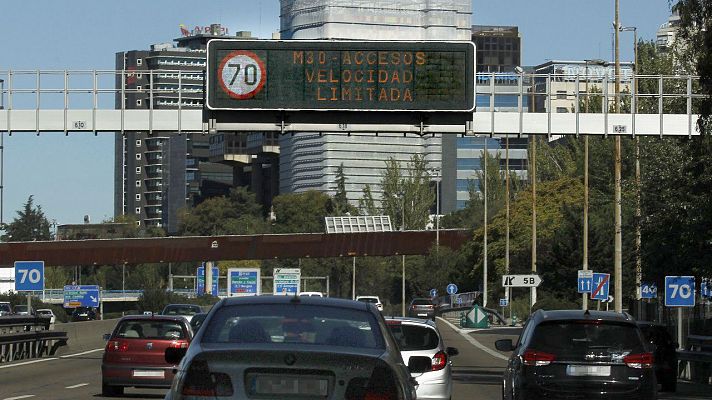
111 391
669 383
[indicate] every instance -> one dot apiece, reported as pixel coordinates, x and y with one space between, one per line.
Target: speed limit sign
242 74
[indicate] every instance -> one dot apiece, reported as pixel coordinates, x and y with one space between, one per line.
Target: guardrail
28 337
695 362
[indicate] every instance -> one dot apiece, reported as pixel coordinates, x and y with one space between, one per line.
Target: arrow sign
521 280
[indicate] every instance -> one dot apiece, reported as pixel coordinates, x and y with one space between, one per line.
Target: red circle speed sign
242 74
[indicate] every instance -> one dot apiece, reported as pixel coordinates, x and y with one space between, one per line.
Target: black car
579 355
665 350
83 314
197 321
421 308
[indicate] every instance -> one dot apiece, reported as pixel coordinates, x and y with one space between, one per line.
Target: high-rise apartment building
499 48
310 161
665 36
158 173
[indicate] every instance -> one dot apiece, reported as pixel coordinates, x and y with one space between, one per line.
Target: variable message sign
340 75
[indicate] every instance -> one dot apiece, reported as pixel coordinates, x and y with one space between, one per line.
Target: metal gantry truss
95 101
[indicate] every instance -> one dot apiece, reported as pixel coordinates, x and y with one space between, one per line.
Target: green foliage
407 194
366 204
341 202
301 212
237 214
30 224
555 303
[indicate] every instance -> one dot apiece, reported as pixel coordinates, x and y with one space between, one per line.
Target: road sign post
679 292
451 290
200 281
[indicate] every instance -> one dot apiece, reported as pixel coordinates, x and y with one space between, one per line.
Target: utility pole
533 180
618 251
484 284
506 240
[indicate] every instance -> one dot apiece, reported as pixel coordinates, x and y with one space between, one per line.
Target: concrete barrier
84 336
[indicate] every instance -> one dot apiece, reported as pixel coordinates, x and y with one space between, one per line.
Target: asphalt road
477 373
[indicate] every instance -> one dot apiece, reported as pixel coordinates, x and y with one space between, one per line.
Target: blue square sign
680 291
601 284
648 290
29 275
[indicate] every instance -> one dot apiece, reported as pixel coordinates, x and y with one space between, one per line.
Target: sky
70 177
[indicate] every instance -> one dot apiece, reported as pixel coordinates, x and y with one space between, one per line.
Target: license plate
289 385
588 370
142 373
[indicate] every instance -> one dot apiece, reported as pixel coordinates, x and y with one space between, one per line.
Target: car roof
311 300
44 309
563 315
182 305
367 297
414 321
154 317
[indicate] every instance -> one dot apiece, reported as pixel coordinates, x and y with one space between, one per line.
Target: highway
477 372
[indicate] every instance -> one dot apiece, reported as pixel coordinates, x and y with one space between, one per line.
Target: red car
135 352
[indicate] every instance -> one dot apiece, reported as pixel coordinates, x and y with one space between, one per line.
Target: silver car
280 347
182 310
420 337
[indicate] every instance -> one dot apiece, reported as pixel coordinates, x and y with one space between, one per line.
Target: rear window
422 302
578 338
146 329
306 324
414 337
182 310
368 300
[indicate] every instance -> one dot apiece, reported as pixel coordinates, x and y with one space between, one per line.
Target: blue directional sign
601 284
81 296
433 292
503 302
706 289
29 275
451 288
585 281
680 291
200 281
648 290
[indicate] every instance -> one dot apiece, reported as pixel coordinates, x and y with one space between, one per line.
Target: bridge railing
172 100
24 337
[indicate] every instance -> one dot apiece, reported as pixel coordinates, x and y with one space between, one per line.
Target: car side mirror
452 351
174 355
106 337
419 364
504 345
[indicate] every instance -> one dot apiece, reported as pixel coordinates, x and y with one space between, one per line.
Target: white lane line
27 396
77 386
474 342
27 363
82 353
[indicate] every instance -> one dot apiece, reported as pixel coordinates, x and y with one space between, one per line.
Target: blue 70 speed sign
680 291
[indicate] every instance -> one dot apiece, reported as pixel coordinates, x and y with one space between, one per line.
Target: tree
341 202
301 212
366 204
407 195
30 224
237 214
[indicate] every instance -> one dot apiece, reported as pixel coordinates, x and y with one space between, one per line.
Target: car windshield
20 309
146 329
182 310
414 337
5 307
306 324
579 338
368 300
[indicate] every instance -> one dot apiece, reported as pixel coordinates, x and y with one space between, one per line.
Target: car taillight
439 360
535 358
117 346
642 360
179 344
200 382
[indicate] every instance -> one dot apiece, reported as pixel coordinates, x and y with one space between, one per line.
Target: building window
561 94
562 110
138 88
138 170
138 223
138 196
139 76
138 183
138 210
468 164
138 142
138 156
139 61
138 102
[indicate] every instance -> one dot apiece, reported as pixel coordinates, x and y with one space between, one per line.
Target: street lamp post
436 172
484 284
618 240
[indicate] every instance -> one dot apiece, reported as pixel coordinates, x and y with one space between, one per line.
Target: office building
665 36
498 48
310 161
158 173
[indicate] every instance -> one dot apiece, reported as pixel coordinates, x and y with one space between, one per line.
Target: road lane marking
474 342
28 362
77 386
82 353
27 396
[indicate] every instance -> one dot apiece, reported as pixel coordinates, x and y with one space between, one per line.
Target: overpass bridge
85 101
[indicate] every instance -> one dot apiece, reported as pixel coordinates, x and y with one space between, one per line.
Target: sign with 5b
29 275
680 291
648 291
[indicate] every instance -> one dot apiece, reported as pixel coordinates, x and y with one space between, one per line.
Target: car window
368 300
421 302
307 324
138 329
577 338
182 310
414 337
